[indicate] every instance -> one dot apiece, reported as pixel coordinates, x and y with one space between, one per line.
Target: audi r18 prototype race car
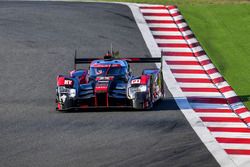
109 83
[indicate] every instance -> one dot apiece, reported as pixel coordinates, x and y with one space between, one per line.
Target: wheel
137 105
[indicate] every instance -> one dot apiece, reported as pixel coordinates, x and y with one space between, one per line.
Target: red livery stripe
220 119
101 88
182 62
199 89
238 152
193 80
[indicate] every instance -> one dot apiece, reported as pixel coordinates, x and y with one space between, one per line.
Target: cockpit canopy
107 71
108 68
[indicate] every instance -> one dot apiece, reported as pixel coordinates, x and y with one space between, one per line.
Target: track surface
37 41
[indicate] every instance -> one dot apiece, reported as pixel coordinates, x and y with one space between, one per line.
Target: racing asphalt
37 42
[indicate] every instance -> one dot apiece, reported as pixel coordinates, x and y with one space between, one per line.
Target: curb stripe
213 110
182 62
156 14
220 129
208 100
177 54
153 7
181 45
233 140
186 71
193 80
236 151
199 90
220 119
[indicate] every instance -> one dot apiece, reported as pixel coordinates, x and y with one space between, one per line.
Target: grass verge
224 32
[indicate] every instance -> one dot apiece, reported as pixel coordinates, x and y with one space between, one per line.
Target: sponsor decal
101 88
68 82
104 78
136 81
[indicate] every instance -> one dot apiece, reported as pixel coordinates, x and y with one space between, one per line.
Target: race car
109 83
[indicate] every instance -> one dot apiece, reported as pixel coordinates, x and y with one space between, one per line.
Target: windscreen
107 71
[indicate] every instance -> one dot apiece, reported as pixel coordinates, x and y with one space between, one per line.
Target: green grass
223 29
184 2
224 32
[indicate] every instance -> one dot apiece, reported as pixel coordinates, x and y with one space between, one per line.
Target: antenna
161 59
111 49
75 59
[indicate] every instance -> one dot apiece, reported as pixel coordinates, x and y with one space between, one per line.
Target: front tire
66 106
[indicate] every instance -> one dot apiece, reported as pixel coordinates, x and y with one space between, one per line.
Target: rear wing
129 60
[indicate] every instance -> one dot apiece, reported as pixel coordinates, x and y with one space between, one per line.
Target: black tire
67 105
137 105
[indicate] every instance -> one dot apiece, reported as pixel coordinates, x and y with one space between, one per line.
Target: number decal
68 82
136 81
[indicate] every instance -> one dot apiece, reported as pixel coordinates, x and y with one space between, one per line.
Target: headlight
142 88
72 92
133 90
